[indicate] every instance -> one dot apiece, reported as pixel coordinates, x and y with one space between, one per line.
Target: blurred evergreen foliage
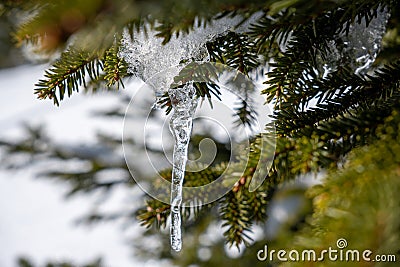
25 262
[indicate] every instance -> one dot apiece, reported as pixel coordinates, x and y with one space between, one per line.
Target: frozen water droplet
359 48
184 103
362 44
201 54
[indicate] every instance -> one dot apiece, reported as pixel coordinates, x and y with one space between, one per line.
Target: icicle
157 64
362 44
359 48
184 102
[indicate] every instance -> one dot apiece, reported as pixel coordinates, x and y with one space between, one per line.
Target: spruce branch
359 199
234 50
342 94
67 74
115 68
76 69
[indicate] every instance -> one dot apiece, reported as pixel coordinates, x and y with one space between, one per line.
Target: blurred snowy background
36 221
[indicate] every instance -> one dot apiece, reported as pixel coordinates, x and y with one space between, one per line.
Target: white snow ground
36 221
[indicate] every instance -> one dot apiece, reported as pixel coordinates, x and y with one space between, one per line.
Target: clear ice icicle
184 102
359 48
147 58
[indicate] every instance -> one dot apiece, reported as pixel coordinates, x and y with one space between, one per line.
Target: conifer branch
68 74
115 68
342 93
